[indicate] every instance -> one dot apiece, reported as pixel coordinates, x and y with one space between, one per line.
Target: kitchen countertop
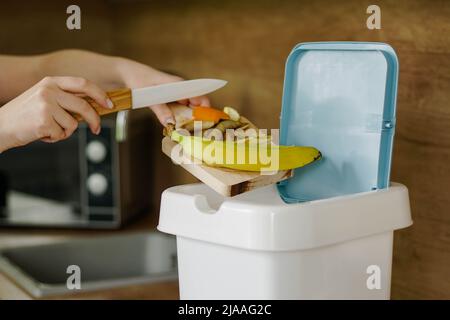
13 237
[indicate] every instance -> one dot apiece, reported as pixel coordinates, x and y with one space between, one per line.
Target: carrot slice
209 114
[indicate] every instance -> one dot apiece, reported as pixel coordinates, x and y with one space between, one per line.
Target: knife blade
173 91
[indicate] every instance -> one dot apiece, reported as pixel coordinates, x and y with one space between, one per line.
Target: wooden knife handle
121 99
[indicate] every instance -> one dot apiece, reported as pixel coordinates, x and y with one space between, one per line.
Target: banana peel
252 154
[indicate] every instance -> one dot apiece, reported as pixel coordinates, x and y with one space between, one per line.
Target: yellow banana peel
251 154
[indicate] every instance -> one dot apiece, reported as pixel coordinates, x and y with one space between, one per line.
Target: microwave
85 181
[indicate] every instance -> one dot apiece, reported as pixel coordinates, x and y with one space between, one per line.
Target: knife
124 99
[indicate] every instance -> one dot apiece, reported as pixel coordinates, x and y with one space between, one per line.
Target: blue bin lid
339 97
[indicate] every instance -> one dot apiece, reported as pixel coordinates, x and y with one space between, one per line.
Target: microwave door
39 183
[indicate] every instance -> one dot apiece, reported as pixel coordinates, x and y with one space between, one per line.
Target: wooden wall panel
32 27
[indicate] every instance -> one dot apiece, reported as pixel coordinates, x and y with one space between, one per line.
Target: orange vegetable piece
209 114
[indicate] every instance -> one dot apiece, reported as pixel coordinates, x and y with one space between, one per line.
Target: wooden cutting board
225 181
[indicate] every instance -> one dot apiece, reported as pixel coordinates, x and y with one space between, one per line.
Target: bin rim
261 220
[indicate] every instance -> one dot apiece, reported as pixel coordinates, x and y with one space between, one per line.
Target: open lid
340 98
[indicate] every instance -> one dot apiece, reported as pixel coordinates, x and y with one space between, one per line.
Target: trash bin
325 233
256 246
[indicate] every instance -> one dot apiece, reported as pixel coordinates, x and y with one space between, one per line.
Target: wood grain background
247 42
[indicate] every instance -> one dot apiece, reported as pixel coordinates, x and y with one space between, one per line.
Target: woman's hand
43 111
137 75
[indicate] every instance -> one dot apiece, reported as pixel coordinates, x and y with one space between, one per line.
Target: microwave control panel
100 163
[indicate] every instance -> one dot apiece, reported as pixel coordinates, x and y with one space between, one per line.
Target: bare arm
19 73
22 72
66 73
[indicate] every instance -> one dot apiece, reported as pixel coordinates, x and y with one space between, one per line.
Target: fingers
184 102
80 106
163 113
65 87
200 101
53 133
65 121
81 85
196 101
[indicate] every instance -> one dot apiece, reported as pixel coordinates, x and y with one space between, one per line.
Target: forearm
98 68
106 71
19 73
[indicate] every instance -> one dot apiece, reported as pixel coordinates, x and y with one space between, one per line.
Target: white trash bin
255 246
